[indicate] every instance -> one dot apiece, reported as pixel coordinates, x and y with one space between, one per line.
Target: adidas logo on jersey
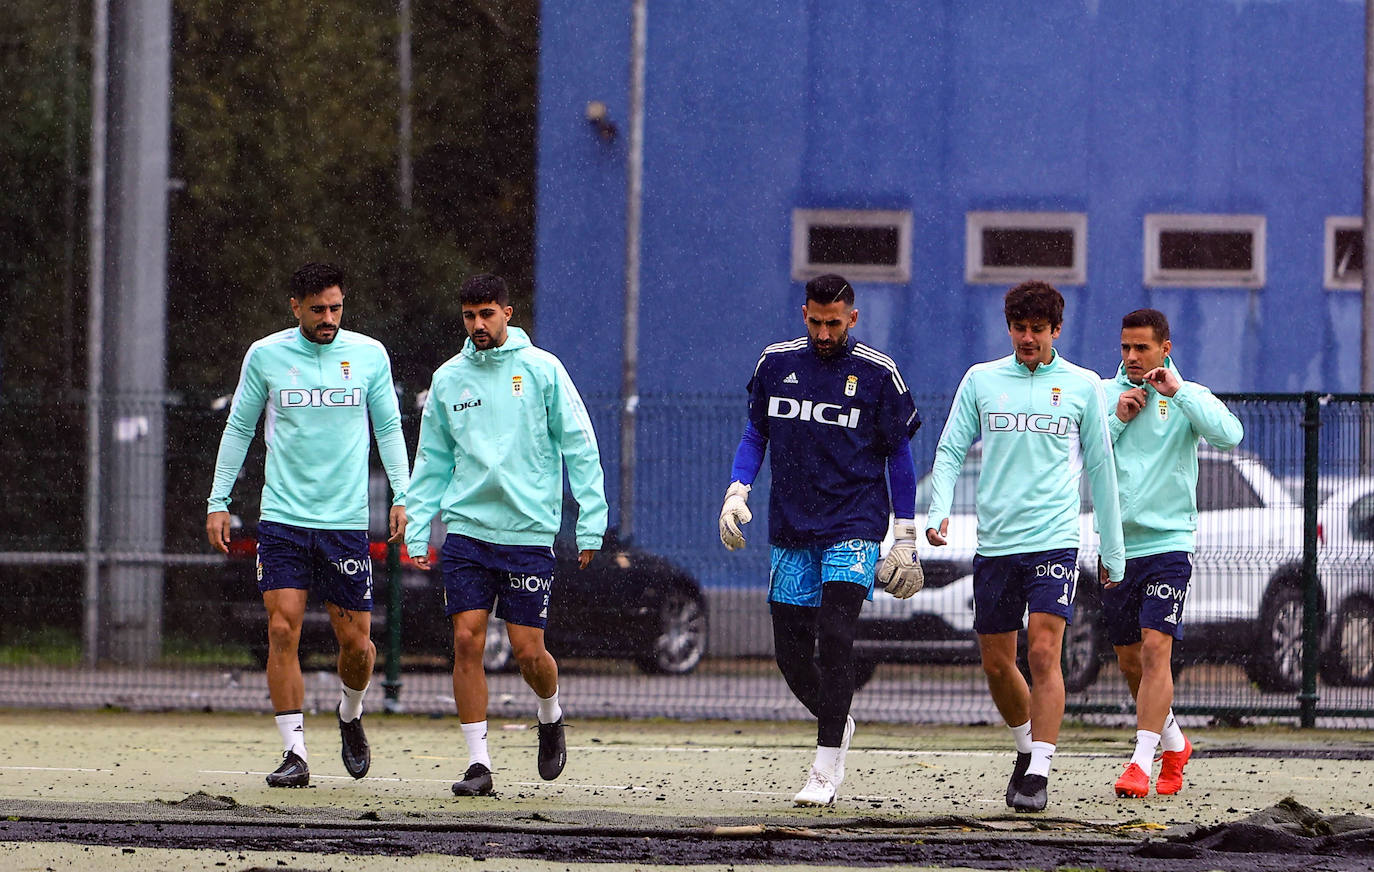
791 379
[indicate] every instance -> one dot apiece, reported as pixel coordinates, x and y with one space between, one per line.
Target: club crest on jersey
345 371
517 386
295 375
1163 409
806 410
851 384
1055 396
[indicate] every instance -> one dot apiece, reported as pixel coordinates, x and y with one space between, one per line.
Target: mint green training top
318 400
1156 460
1040 429
498 427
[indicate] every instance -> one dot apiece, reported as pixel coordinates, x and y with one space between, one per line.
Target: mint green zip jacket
1040 429
1156 460
319 400
498 428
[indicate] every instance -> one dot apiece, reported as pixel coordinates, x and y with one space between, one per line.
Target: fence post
1311 590
392 684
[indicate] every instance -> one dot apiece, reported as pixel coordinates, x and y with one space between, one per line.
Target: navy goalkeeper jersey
830 424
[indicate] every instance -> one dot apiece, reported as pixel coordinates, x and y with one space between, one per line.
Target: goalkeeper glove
900 572
734 512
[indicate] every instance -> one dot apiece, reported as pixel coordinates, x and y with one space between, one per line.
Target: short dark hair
1152 318
829 288
484 288
1032 301
314 278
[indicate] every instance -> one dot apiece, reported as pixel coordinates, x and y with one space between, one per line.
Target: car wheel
1275 664
496 654
863 669
1081 657
680 642
1350 661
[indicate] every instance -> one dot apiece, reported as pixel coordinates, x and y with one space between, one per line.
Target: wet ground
154 792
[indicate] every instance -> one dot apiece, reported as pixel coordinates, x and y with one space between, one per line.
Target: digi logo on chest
806 410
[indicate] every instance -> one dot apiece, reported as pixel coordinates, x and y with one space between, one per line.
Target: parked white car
1244 603
1345 561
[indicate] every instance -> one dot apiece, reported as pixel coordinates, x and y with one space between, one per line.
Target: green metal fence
1279 622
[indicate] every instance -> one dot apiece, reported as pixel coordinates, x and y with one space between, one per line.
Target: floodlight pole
629 383
1366 272
95 323
1367 238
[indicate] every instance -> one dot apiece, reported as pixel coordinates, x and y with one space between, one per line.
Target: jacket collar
1122 378
1044 367
314 347
516 339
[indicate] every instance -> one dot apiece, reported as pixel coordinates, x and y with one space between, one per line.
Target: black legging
822 680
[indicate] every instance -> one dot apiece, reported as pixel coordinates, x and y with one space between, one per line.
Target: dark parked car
628 603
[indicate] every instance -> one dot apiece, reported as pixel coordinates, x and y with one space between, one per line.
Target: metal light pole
629 383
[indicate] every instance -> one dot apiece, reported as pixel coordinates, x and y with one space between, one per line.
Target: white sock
549 709
351 702
1145 744
827 759
1041 754
475 734
1171 739
291 725
1022 736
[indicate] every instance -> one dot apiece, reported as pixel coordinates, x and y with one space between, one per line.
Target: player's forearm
391 446
233 448
748 455
901 481
1209 416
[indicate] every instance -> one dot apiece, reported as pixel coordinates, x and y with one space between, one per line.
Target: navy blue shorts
335 564
1005 588
517 578
1150 595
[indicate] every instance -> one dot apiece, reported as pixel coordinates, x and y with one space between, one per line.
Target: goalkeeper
840 419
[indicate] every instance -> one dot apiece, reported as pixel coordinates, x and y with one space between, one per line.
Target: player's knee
998 669
529 654
1043 657
468 644
282 633
357 645
1155 653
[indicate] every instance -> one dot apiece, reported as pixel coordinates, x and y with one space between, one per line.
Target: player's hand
937 537
217 530
584 557
421 559
1104 577
733 512
1165 380
1129 404
397 523
900 572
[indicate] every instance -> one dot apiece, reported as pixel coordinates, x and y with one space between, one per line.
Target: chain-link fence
1279 620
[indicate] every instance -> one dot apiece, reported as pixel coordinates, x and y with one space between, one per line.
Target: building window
1204 250
1003 248
867 245
1344 253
